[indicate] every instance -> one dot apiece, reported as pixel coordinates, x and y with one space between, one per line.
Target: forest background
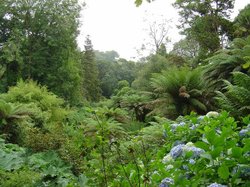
89 118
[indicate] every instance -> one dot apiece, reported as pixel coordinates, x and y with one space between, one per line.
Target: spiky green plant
236 98
11 115
180 91
10 111
236 58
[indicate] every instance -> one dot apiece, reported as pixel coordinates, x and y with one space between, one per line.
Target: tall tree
155 64
38 41
206 21
157 36
242 23
188 49
91 83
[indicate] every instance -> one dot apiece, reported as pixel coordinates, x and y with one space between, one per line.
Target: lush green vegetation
89 118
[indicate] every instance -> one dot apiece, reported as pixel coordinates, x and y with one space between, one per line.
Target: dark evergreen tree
91 85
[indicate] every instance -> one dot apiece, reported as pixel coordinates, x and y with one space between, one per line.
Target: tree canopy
36 35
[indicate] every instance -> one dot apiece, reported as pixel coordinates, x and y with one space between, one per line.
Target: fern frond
199 105
236 98
238 95
241 79
224 102
12 111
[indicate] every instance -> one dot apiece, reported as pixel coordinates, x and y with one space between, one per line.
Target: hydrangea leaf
223 172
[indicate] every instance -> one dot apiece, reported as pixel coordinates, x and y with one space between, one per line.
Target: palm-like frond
182 88
198 104
170 81
241 79
225 102
110 127
221 65
236 98
10 111
11 116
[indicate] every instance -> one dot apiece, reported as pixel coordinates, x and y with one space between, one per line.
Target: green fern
241 79
183 90
11 117
236 98
10 111
198 104
221 65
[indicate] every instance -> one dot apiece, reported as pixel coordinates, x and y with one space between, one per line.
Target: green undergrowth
49 144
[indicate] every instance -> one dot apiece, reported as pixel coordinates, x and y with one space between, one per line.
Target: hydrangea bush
211 150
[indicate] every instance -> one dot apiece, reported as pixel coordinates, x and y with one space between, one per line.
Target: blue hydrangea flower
168 167
243 169
167 159
194 126
245 133
200 118
166 182
191 161
185 167
175 125
180 149
177 151
216 185
196 151
182 123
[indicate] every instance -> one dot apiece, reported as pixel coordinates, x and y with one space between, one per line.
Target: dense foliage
89 118
38 41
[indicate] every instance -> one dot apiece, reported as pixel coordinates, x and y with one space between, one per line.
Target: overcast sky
121 26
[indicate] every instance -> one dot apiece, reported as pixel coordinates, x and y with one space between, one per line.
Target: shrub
46 114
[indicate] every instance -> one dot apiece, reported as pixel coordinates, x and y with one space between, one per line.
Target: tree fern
10 111
224 62
183 88
11 116
241 79
198 104
236 98
224 102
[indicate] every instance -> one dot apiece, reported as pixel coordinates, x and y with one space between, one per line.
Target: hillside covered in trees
90 118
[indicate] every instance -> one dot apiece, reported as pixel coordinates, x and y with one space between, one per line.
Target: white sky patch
119 25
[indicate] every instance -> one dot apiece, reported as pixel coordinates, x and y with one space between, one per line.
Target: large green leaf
223 172
12 157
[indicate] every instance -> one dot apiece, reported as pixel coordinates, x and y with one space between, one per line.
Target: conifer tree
91 84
